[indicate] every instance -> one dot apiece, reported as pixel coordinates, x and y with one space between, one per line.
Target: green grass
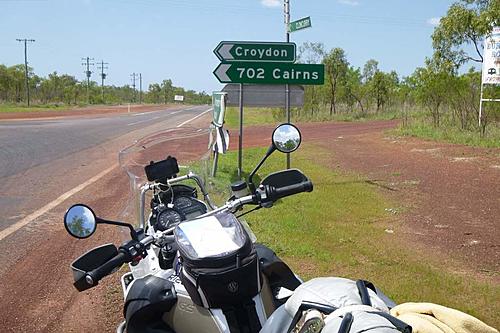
338 230
251 116
16 108
452 134
264 116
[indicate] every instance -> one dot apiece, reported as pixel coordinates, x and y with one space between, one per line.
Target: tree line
442 91
66 89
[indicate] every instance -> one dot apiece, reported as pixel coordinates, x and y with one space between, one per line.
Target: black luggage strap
345 325
399 324
363 291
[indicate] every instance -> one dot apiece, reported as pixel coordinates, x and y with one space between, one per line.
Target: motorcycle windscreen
211 237
189 145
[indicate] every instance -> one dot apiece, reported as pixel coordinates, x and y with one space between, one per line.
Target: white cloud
349 2
434 21
271 3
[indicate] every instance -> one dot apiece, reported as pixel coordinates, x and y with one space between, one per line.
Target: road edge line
190 120
39 212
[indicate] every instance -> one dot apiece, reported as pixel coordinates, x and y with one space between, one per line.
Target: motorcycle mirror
80 221
286 138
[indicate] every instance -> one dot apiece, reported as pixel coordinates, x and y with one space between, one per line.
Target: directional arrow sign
270 73
255 51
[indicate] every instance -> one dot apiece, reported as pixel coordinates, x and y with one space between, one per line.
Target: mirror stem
133 233
251 185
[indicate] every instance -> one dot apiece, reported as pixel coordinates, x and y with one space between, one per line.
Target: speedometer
167 219
183 202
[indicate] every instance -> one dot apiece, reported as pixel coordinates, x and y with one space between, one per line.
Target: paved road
37 154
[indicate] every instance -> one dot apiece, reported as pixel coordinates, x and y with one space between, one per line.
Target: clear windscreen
188 145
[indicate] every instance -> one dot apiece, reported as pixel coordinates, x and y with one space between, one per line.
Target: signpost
255 51
179 98
270 73
268 63
491 66
303 23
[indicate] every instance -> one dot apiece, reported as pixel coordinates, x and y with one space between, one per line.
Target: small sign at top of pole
303 23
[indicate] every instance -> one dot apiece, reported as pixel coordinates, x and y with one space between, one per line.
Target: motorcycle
194 267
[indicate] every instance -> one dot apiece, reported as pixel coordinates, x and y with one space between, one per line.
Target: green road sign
300 24
219 105
270 73
255 51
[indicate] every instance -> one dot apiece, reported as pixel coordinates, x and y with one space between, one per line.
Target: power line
102 66
140 88
25 40
134 77
88 73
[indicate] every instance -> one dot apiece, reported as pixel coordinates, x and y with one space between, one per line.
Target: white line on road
190 120
39 212
138 122
18 225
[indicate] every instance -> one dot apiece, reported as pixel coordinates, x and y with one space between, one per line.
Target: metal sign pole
287 86
481 107
240 139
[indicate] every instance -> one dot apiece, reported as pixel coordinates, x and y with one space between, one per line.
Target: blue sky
175 38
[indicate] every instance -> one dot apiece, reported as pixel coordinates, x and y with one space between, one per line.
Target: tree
336 69
465 24
154 93
354 87
167 90
311 53
369 70
432 84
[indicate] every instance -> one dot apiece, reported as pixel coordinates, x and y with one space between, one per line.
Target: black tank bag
221 280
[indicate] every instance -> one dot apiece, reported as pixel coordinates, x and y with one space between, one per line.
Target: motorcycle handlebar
97 274
285 191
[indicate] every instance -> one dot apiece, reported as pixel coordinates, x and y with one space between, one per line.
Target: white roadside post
491 67
220 142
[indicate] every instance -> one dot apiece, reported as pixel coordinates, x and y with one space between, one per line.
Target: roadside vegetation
439 100
325 233
63 90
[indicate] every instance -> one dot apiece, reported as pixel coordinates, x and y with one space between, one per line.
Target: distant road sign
303 23
491 54
179 98
255 51
270 73
264 95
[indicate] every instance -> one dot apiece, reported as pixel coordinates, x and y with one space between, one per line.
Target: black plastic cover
147 300
89 261
277 272
285 178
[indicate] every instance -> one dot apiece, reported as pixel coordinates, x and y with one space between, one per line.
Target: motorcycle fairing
277 272
147 300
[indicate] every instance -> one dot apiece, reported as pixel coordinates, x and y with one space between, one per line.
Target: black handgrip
100 272
285 191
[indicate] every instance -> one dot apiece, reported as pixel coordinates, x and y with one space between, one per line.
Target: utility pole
88 73
25 40
287 86
102 66
140 88
134 77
